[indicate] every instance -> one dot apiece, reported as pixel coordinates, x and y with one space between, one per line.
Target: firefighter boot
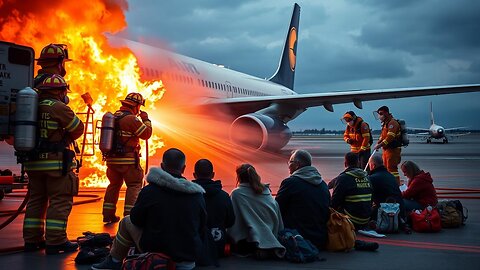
62 248
111 219
30 247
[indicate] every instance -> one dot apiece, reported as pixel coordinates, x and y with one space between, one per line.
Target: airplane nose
440 130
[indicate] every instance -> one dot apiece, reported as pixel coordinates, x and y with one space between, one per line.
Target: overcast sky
343 45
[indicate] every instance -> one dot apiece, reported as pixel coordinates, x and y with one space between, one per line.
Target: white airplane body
436 131
263 105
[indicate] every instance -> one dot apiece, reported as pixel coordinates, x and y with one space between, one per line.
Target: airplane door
229 89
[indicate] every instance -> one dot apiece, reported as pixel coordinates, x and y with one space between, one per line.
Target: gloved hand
143 115
350 141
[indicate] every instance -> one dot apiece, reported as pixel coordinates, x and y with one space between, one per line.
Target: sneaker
365 246
30 247
62 248
111 219
107 264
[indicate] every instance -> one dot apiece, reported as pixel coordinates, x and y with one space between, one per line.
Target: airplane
436 131
264 106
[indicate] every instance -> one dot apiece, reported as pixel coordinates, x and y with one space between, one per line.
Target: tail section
432 121
285 73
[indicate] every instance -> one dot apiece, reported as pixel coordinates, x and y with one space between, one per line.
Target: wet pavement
453 165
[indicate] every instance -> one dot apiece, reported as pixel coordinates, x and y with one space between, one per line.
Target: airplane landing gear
429 141
445 140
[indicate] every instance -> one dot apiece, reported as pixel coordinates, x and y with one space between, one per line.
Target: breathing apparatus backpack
110 143
402 139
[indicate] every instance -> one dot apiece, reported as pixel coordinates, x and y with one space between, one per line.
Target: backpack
452 213
387 218
358 130
341 232
298 249
148 261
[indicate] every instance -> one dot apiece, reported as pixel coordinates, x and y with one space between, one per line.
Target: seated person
304 199
420 191
384 186
257 216
169 217
352 194
220 213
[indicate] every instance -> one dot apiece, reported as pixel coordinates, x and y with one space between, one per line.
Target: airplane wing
418 129
423 134
242 105
455 128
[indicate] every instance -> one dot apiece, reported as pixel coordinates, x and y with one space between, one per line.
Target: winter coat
257 218
172 214
352 195
421 190
304 200
219 211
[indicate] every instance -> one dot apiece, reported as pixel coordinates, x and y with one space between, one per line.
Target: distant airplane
263 106
435 131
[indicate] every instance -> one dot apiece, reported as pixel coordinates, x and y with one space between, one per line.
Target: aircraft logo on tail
292 46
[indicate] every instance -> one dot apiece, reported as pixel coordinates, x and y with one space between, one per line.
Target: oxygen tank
403 130
107 132
26 120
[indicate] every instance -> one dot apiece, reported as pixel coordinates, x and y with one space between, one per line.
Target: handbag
428 220
341 232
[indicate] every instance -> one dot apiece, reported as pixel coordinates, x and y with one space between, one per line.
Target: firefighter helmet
348 116
53 82
133 99
54 52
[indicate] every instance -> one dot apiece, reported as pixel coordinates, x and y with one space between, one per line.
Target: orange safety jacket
360 136
58 127
130 131
390 132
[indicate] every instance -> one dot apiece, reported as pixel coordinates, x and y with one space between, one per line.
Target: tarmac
454 165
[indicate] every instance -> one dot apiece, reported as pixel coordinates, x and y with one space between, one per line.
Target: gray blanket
257 218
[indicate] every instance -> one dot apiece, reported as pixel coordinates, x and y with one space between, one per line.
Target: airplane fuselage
436 132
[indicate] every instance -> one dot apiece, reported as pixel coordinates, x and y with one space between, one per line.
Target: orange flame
106 73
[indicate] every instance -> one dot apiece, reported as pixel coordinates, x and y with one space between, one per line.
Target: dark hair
246 173
203 168
384 108
351 159
173 159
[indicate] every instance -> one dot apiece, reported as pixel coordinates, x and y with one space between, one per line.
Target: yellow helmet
53 82
133 99
54 52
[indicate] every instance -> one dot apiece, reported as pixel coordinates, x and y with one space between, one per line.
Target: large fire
106 73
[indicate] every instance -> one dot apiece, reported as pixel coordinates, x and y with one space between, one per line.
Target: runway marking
425 245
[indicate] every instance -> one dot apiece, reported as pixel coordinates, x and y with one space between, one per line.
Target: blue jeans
411 205
185 265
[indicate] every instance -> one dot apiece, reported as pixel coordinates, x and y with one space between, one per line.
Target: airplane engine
260 132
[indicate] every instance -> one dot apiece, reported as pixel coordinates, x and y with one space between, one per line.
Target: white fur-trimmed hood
161 178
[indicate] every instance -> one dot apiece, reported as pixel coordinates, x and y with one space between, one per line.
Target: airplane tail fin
285 73
432 121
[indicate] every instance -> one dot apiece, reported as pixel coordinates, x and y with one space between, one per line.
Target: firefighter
50 167
357 134
390 141
123 162
52 60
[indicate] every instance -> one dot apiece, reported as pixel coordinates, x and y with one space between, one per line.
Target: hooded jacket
352 195
219 210
421 189
172 214
304 200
